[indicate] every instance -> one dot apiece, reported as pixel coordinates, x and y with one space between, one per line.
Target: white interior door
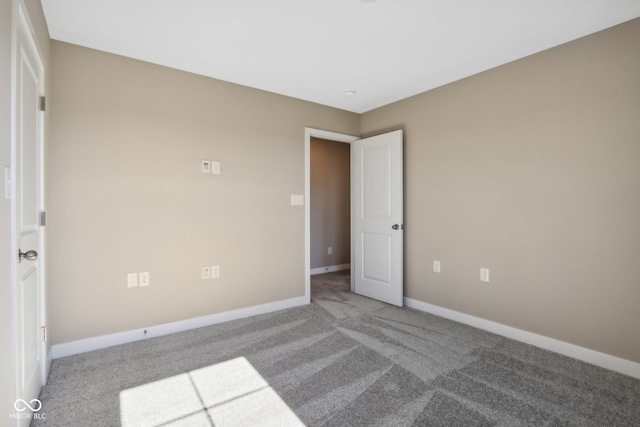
377 197
27 193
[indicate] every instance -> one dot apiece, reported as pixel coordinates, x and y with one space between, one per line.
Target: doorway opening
330 217
334 262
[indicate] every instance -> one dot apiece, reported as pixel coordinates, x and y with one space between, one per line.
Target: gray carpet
344 360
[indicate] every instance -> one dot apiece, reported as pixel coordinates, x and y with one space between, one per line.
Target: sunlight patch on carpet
225 394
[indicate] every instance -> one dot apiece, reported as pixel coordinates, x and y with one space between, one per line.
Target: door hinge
43 218
43 334
43 103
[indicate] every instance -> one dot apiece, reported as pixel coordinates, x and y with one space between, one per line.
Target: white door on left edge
28 140
377 198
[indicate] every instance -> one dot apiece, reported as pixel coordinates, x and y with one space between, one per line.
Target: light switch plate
7 182
206 166
206 272
297 199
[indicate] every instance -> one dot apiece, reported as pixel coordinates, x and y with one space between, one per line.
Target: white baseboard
603 360
96 343
329 269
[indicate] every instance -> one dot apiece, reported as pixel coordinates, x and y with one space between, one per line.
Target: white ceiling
315 50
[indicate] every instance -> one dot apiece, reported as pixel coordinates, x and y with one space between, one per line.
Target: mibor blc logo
21 405
28 409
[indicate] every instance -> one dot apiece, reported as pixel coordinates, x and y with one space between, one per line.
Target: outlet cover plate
143 279
436 266
215 168
484 274
132 280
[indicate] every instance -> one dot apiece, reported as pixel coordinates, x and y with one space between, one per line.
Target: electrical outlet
484 274
206 272
215 271
143 278
132 280
215 168
329 250
436 266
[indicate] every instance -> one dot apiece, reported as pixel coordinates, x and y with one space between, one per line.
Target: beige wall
531 170
127 194
6 256
330 203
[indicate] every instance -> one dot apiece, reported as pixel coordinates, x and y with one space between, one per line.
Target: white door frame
331 136
21 22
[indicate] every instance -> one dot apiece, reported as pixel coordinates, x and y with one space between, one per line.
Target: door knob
29 255
395 226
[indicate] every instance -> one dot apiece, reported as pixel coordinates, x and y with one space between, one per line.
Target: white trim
331 136
48 361
15 23
104 341
602 360
330 269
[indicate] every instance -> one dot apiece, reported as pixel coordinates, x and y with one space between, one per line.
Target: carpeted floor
344 360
